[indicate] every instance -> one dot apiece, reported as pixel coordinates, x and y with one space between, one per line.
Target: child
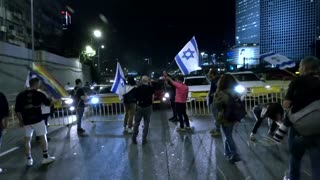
273 111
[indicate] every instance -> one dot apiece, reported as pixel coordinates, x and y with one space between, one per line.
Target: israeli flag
188 58
280 61
119 85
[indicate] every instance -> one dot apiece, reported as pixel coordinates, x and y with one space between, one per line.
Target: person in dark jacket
172 93
302 91
129 100
271 111
212 75
144 96
4 113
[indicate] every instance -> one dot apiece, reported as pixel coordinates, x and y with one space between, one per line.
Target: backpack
307 120
234 110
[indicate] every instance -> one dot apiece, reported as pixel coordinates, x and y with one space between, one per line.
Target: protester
172 93
4 113
181 101
144 96
129 100
225 91
79 98
271 111
28 109
302 91
212 75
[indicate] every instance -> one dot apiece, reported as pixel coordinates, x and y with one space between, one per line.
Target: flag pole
290 72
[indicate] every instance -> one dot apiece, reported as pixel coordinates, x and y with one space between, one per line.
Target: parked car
199 86
249 82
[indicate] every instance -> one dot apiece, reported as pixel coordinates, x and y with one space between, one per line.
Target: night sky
154 29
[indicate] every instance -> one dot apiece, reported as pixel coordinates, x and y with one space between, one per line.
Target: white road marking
9 151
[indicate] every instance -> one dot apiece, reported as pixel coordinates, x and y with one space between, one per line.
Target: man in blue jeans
4 113
302 91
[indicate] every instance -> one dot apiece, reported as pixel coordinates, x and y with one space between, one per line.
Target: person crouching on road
28 110
144 96
129 100
271 111
181 102
225 91
4 113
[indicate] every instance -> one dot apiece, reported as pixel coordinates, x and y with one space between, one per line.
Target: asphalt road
106 153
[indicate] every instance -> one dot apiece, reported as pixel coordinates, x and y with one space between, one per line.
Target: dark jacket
213 88
4 108
130 96
144 95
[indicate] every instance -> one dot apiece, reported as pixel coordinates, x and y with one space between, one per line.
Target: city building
246 52
290 28
49 23
247 21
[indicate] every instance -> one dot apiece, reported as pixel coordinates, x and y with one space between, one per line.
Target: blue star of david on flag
188 54
119 85
188 58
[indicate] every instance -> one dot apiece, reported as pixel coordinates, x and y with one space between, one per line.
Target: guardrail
114 111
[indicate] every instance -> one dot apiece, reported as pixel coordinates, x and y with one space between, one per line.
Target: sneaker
188 128
179 129
134 141
130 130
29 162
252 137
1 170
215 133
286 178
234 159
80 130
48 160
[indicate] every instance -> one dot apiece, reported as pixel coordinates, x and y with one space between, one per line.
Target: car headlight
268 86
166 95
239 89
94 100
68 101
164 99
72 108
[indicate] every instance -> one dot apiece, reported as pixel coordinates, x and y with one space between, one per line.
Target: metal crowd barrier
115 111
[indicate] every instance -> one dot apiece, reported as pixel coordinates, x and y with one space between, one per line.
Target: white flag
188 58
119 85
280 61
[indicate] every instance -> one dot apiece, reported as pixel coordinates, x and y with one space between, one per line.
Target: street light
97 33
202 53
102 46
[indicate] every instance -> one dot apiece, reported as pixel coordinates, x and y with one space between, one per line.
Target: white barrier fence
115 111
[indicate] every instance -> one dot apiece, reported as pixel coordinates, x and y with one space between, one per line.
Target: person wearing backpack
129 101
229 111
303 91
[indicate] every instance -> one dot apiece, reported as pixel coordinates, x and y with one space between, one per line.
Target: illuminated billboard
246 55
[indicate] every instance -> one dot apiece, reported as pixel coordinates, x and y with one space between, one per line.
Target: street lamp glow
97 33
102 46
202 53
90 51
